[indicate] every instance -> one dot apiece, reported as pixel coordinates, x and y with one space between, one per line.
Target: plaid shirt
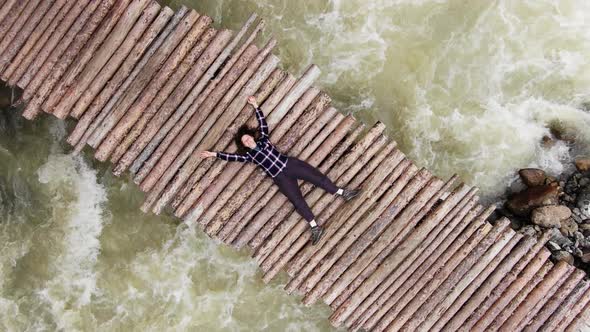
264 154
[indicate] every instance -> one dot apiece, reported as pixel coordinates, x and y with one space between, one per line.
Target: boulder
532 177
568 227
522 203
563 255
583 164
550 216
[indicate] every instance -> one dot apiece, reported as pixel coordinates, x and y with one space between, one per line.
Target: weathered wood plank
96 108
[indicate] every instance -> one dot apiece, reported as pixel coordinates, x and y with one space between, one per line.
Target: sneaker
350 194
316 234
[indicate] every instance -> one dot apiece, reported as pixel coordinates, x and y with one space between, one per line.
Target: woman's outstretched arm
262 125
232 157
225 156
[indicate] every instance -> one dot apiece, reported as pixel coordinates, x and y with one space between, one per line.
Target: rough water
463 86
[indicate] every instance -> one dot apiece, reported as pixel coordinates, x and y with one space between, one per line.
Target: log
562 312
208 168
143 79
52 75
413 307
20 21
239 215
155 167
403 173
555 301
166 134
573 317
179 157
468 239
346 167
231 178
348 218
298 236
57 43
408 219
38 51
297 130
483 292
7 7
97 34
385 242
336 147
505 297
259 176
537 297
329 206
470 282
214 126
364 284
148 25
505 283
157 81
25 42
163 166
284 88
423 256
171 85
97 53
213 129
518 295
176 98
94 110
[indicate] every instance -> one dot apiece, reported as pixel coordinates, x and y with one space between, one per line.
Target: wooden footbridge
150 87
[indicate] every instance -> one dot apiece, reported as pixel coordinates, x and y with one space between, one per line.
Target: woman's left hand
207 154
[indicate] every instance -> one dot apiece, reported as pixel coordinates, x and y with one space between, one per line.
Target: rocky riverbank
557 205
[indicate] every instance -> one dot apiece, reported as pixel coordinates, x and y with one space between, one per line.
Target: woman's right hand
252 101
207 154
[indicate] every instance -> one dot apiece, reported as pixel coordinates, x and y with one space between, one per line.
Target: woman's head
246 138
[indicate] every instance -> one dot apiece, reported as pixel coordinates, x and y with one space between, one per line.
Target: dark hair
245 130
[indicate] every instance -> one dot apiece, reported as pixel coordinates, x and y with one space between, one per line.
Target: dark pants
300 170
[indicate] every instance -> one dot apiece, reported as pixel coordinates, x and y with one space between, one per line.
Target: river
467 87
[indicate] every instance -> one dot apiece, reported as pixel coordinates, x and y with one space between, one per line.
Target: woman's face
249 141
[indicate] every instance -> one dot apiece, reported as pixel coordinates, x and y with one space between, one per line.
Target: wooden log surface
96 109
182 90
38 52
213 127
51 72
141 81
28 36
34 74
111 53
151 154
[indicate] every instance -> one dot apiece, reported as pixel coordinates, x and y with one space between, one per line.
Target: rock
553 246
583 203
585 255
547 141
568 227
583 164
559 131
550 216
563 256
528 230
532 177
559 239
524 202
